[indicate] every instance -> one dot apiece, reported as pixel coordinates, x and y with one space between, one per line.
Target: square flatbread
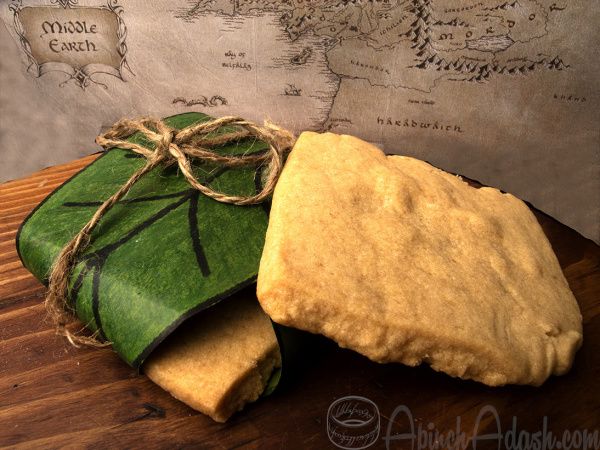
219 360
403 262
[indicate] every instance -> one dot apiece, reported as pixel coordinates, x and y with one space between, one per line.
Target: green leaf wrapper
162 254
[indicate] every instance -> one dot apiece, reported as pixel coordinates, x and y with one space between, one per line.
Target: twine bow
171 147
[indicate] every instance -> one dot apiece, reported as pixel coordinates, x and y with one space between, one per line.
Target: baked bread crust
220 360
403 262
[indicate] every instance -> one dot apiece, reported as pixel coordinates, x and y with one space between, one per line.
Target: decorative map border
82 76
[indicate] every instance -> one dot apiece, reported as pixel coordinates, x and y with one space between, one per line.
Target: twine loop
171 146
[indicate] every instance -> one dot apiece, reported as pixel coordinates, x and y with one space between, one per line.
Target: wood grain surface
53 395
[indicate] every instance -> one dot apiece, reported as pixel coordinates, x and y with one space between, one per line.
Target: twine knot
163 150
170 146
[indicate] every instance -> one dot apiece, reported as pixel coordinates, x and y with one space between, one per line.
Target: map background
516 135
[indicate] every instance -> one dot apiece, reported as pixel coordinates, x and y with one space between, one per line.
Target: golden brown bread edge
403 262
220 360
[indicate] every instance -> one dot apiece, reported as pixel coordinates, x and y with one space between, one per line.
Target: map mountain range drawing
451 40
422 34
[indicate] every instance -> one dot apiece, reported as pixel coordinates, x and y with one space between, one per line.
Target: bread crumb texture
403 262
220 360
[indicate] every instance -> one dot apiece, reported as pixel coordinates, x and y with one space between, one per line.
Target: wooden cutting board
54 395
